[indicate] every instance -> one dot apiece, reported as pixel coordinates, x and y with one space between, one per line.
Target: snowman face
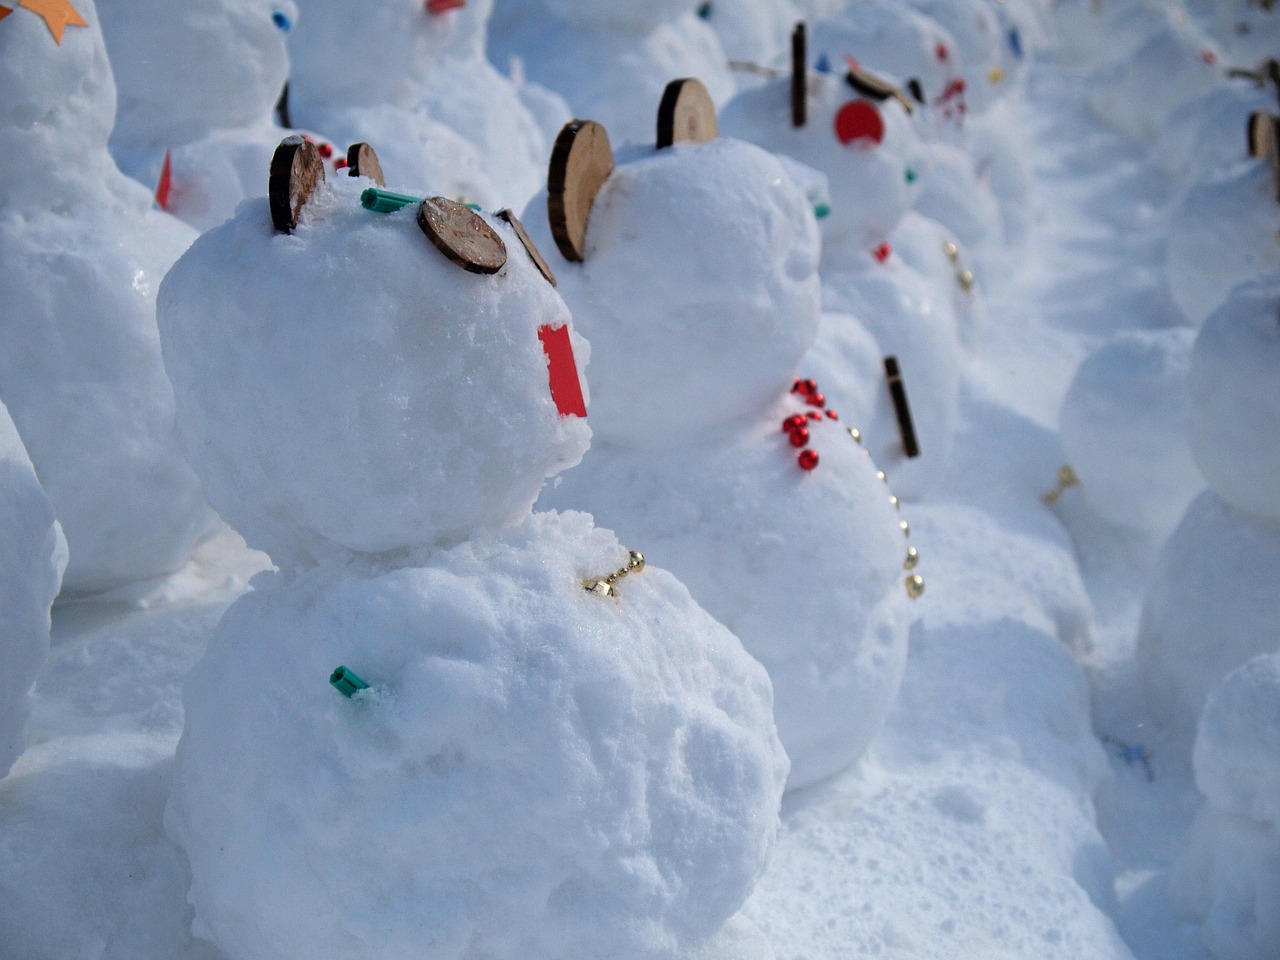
699 288
356 387
185 69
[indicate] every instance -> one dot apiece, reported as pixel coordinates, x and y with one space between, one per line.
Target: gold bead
906 528
1067 476
894 501
951 250
635 561
995 75
856 434
881 477
965 279
600 588
913 558
915 586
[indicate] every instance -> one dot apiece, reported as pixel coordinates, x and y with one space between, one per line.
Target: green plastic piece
384 201
821 210
704 10
473 207
346 682
911 175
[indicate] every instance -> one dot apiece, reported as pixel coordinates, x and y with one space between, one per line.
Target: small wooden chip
462 235
296 171
799 76
901 409
530 247
876 88
363 162
687 114
581 161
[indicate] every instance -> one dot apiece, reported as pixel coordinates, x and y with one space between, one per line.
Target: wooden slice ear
462 235
799 76
687 114
1261 134
530 247
296 171
363 162
581 161
876 88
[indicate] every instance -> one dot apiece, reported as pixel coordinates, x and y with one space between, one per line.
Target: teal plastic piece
384 201
473 207
911 175
346 682
821 210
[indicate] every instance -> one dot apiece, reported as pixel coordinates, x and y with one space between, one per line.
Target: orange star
58 14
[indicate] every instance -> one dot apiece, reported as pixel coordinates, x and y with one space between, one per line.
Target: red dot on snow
859 120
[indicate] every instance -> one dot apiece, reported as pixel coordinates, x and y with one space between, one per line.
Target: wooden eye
687 114
296 171
581 161
462 235
363 162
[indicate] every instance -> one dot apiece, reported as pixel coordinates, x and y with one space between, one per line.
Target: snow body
32 557
700 293
199 80
81 374
535 771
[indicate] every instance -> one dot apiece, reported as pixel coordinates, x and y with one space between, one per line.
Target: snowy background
1067 746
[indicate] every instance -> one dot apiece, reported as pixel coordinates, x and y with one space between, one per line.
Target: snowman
1228 877
32 557
531 744
854 127
611 60
198 87
83 251
413 78
1226 229
693 270
1210 606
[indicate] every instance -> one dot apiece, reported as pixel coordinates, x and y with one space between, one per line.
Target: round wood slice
532 248
1261 133
581 161
687 114
363 162
462 235
296 171
876 88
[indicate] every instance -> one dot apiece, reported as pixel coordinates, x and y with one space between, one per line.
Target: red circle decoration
859 120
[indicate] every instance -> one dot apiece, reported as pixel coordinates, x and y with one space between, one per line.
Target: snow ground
1016 770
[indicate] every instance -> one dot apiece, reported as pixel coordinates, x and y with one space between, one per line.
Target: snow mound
533 772
348 386
1124 429
1235 399
1237 754
32 558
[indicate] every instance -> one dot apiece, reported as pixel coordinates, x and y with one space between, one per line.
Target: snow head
700 260
186 69
347 385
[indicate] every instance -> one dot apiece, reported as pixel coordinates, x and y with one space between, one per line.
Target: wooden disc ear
1261 134
363 162
462 235
296 171
687 114
799 76
530 247
876 88
581 161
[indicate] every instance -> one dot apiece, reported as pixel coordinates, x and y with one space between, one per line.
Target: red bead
793 422
795 385
800 437
832 415
339 163
882 252
1210 57
325 150
816 400
808 459
942 51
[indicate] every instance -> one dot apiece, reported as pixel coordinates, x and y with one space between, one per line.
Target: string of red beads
796 426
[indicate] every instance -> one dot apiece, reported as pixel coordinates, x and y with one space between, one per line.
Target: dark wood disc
363 162
581 161
462 235
687 114
296 171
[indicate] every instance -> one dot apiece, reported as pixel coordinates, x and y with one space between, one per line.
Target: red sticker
441 6
566 389
165 184
859 120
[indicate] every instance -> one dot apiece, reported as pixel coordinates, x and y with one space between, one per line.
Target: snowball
81 373
1237 753
1222 234
1124 430
806 567
1235 399
1206 134
349 386
923 243
1228 879
1209 609
533 772
1137 93
32 558
699 289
